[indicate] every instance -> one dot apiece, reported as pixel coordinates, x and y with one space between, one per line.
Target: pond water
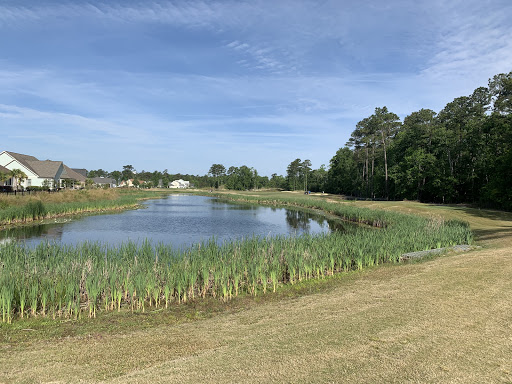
178 220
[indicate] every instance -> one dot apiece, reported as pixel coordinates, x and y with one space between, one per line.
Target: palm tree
4 176
18 176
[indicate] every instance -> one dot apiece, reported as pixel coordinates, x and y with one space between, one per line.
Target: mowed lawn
448 319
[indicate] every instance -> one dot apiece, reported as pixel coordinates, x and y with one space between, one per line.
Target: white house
179 184
39 173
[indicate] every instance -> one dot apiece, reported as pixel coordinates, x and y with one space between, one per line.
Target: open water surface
178 220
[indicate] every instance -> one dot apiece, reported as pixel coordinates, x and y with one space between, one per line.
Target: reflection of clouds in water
191 220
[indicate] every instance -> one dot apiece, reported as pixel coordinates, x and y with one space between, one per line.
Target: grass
24 209
82 280
445 320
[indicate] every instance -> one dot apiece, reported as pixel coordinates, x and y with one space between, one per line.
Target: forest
461 154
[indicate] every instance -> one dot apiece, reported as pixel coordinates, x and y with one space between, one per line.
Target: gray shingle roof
4 170
81 171
46 168
24 159
103 180
71 174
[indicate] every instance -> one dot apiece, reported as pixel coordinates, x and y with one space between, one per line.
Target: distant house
39 173
81 171
77 180
126 183
104 181
179 184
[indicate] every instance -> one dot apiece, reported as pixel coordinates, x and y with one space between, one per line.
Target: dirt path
445 320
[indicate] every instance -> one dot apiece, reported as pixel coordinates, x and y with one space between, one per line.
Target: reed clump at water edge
74 281
23 209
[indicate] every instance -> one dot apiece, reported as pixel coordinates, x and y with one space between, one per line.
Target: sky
181 85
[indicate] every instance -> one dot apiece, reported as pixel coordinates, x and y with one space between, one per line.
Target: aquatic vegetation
73 281
22 209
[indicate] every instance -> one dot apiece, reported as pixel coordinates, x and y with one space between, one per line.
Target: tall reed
73 281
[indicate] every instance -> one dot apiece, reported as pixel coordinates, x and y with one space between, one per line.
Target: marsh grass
75 281
23 209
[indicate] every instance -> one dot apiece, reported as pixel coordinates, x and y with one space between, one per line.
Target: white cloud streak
308 71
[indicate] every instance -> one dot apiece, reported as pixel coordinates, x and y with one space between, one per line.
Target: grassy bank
446 320
75 281
24 209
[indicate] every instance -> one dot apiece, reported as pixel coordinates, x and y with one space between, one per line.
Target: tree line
461 154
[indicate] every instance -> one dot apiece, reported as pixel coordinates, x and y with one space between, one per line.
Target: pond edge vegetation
60 281
20 210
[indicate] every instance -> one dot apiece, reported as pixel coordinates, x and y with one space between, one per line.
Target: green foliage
342 175
35 210
241 178
460 155
73 281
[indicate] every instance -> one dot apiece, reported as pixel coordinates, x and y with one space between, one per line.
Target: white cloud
254 76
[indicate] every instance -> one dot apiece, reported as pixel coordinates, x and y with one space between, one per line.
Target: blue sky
180 85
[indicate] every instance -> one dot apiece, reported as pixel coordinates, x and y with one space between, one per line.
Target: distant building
77 179
179 184
126 183
40 173
103 181
81 171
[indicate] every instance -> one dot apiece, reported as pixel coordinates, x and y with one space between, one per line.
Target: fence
26 192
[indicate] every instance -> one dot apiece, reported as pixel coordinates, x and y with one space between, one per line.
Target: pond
178 220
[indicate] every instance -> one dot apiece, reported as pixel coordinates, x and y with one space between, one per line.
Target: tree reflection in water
301 221
52 232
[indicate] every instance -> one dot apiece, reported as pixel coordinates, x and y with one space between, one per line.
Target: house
179 184
81 171
126 183
71 178
39 173
104 181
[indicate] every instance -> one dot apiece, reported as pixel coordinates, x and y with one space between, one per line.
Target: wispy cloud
257 80
259 58
194 14
475 44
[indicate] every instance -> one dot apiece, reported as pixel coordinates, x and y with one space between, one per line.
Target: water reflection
301 220
298 220
177 220
52 232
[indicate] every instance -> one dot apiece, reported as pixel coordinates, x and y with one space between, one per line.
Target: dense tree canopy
463 154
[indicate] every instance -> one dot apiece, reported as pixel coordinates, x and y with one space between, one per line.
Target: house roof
81 171
4 170
103 180
23 159
46 168
69 173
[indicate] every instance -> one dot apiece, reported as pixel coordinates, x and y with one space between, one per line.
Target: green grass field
446 319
